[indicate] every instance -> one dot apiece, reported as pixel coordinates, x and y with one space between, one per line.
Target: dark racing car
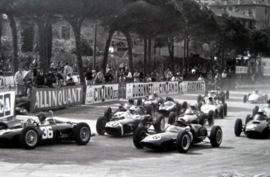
257 126
127 118
180 135
31 131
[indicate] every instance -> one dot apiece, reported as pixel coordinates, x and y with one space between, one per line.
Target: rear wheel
248 118
238 127
139 134
159 124
223 99
216 136
29 137
100 126
221 112
108 113
82 133
201 119
227 94
172 117
183 141
150 110
139 102
245 98
184 105
225 109
211 118
255 110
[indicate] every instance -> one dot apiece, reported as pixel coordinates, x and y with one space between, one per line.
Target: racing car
163 106
211 107
127 118
192 115
216 94
180 135
31 131
257 126
255 97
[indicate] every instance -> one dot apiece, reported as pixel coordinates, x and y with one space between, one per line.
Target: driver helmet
193 106
131 101
262 112
42 116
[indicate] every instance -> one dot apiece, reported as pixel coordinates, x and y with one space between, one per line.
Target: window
65 32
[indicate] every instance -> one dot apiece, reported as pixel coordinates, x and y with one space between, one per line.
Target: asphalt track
117 156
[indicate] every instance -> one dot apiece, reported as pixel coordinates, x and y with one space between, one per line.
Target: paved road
117 156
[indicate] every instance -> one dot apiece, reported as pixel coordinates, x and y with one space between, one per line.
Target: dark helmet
41 116
131 101
210 98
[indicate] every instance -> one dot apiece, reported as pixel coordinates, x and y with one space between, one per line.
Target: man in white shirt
67 70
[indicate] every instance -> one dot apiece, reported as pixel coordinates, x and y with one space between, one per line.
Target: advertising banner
50 98
101 93
241 70
166 87
137 90
266 71
192 86
7 104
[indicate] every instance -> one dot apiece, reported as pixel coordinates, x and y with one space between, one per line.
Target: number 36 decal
47 132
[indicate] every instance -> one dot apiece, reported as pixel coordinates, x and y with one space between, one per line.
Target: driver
210 101
193 107
42 118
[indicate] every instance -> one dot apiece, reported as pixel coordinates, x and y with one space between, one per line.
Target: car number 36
47 132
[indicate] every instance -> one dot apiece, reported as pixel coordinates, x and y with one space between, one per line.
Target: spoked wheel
29 137
82 133
159 124
139 134
216 136
100 126
238 127
183 141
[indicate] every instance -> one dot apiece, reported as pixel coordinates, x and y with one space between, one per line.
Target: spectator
178 77
70 80
141 77
169 74
224 74
136 76
18 79
148 78
59 78
28 80
128 76
99 79
217 80
173 78
67 70
88 77
109 76
200 78
40 79
154 76
51 79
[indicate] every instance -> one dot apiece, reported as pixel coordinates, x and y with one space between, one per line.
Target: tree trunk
1 21
49 43
171 52
145 56
43 54
13 27
106 51
130 53
149 53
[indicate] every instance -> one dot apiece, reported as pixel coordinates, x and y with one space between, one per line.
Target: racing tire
3 126
201 119
225 107
211 118
199 99
100 126
172 117
223 99
29 137
159 124
248 118
139 134
178 109
238 127
199 105
227 95
108 113
221 112
183 141
216 136
82 133
150 110
255 110
245 98
184 105
139 102
266 98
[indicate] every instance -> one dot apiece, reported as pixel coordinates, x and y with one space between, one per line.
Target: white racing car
255 97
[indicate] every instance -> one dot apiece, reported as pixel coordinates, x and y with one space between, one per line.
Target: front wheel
183 141
238 127
172 117
227 94
108 113
245 98
216 136
100 126
225 109
82 133
159 124
211 118
29 137
139 134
